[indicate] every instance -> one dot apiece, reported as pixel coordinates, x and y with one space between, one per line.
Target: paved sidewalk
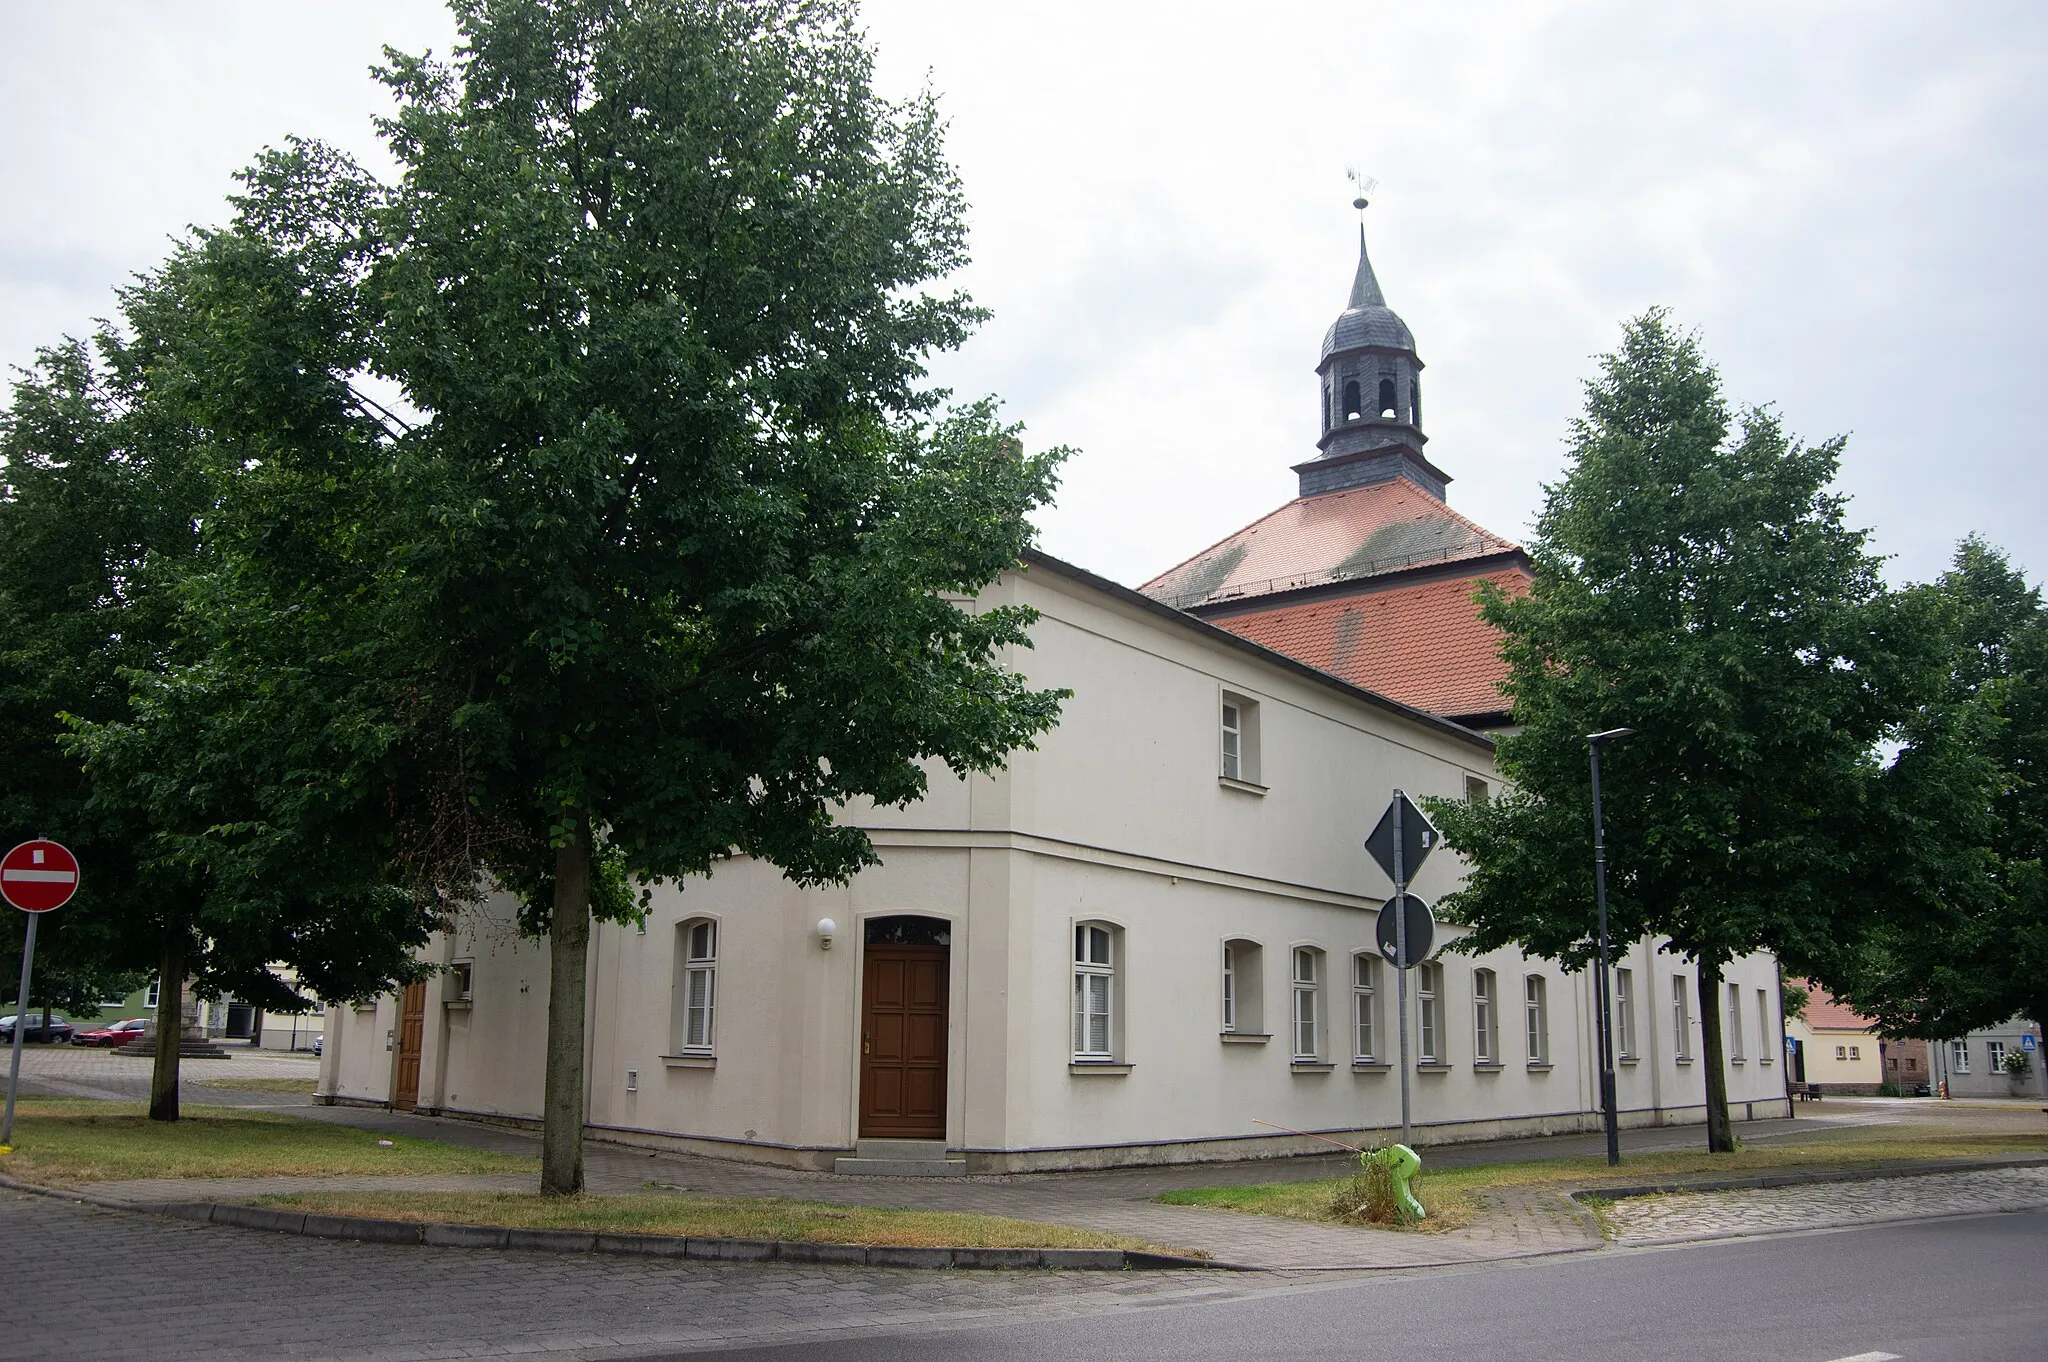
1516 1222
1683 1216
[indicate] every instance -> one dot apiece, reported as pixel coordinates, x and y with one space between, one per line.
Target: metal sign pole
1400 906
28 957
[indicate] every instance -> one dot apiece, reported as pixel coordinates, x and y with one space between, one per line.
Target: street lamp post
1609 1113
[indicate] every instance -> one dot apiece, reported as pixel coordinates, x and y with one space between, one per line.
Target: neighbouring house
1832 1045
1908 1065
1979 1064
1138 943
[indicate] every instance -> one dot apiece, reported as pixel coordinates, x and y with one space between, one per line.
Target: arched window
1365 1006
1485 1018
1308 1014
693 1013
1351 404
1535 1002
1095 966
1243 1010
1387 398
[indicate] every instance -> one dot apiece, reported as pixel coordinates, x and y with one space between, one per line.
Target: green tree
227 821
1694 581
1968 945
670 556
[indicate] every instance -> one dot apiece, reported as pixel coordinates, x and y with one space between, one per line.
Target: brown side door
903 1043
412 1027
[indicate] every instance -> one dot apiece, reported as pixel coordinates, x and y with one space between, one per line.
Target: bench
1807 1092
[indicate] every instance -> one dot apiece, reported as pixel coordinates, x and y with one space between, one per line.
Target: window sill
1628 1061
1486 1066
1241 786
1681 1059
1765 1062
459 1004
1245 1037
1098 1068
1311 1066
689 1061
1370 1066
1431 1066
1737 1062
1540 1066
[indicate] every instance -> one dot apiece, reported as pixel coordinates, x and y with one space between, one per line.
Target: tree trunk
170 1002
561 1148
1720 1130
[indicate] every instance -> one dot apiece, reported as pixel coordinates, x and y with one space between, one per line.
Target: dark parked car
59 1029
115 1033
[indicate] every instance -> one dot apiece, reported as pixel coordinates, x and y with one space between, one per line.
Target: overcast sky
1846 200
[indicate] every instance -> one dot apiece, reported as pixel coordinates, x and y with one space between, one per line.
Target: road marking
1870 1357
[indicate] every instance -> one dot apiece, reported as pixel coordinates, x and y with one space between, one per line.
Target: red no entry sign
38 876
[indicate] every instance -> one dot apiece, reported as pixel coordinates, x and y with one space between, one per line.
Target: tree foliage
665 555
1967 947
1694 581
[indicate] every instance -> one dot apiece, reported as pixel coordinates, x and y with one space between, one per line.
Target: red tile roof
1823 1013
1334 536
1421 643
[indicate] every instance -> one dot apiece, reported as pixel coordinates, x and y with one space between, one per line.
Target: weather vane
1364 184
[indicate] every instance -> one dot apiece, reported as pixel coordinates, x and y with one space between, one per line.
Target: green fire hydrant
1400 1163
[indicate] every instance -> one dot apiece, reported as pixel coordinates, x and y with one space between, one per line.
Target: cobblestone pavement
110 1286
1517 1222
1707 1215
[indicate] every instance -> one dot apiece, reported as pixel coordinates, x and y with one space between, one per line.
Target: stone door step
900 1159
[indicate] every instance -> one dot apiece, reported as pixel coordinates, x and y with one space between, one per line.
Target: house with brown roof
1835 1046
1367 574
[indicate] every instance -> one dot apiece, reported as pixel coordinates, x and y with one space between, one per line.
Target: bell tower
1371 383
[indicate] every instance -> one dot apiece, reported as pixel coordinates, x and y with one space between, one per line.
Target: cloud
1843 198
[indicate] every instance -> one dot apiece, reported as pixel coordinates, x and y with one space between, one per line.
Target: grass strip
62 1142
1451 1194
813 1222
305 1085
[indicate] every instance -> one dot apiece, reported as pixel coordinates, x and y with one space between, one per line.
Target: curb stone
1921 1168
319 1225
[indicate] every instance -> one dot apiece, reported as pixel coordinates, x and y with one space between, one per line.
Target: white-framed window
1308 997
149 997
1536 1016
1994 1056
1365 1006
1240 738
1485 1017
1625 1013
1681 1018
1855 1052
1429 989
1477 790
1243 988
1735 1021
1959 1056
1094 992
462 980
1229 987
1764 1043
694 1013
1841 1052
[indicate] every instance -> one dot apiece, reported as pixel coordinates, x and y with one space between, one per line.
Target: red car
118 1033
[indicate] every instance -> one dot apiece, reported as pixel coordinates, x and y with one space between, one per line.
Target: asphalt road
88 1283
1962 1290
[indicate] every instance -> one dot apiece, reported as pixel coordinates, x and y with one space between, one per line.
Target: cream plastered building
1133 945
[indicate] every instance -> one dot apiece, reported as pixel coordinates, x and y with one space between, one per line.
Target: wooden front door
903 1043
412 1027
